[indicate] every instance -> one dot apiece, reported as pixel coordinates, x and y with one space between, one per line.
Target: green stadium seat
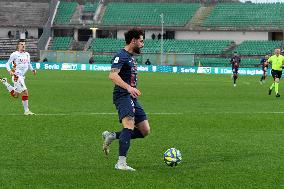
65 12
246 15
153 46
61 43
148 14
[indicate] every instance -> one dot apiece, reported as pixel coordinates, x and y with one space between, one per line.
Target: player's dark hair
132 34
19 41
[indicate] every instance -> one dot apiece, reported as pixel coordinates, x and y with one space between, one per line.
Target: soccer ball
172 157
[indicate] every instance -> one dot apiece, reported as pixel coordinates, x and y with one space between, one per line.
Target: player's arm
269 60
30 65
11 59
116 79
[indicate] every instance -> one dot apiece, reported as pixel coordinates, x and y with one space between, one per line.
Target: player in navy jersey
264 66
235 61
125 98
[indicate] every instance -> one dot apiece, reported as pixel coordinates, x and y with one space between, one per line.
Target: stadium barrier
173 59
144 68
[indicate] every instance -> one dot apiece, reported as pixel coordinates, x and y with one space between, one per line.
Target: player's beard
136 50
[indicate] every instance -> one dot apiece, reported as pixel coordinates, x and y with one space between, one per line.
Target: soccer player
264 66
235 61
20 60
125 97
277 61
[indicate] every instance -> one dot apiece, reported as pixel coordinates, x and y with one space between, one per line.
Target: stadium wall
237 36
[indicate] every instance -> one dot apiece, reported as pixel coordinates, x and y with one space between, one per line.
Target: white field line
151 113
88 113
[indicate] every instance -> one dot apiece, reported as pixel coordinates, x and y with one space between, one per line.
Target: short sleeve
117 62
269 59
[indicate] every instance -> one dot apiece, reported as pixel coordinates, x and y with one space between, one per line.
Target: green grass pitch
229 137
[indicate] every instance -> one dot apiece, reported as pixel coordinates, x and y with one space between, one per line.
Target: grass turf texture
229 137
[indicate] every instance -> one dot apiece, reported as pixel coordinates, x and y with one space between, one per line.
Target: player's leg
274 75
125 108
124 143
262 77
277 80
25 102
142 127
138 132
21 87
235 77
9 87
264 74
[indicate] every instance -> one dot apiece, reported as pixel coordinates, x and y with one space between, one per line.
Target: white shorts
19 83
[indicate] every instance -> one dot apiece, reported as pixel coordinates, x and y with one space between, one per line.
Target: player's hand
133 92
34 72
11 73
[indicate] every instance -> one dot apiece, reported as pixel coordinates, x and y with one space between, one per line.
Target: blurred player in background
264 66
277 61
125 97
235 61
20 61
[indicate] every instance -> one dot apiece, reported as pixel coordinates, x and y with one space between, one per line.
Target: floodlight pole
162 37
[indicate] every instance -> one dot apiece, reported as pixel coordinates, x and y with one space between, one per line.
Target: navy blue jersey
235 61
262 62
124 61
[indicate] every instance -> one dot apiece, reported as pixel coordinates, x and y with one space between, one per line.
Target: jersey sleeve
269 59
117 62
29 62
11 59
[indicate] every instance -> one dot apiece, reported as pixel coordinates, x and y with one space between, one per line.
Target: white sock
26 105
121 160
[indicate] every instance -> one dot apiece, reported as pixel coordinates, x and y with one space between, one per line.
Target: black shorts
235 70
264 69
276 74
128 106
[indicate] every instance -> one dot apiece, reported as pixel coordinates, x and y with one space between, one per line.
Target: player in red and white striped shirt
20 61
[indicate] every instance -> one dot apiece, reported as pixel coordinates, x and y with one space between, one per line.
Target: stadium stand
246 15
173 1
23 13
257 47
7 46
65 12
153 46
90 7
61 43
148 14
